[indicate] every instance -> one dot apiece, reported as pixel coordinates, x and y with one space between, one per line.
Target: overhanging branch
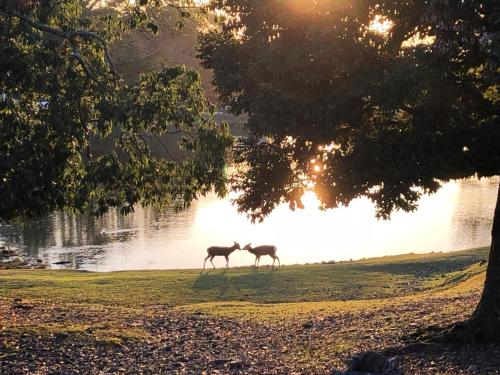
79 58
70 36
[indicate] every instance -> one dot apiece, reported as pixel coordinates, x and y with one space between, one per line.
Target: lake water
458 216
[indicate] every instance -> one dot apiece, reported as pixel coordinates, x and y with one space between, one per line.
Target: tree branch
174 132
158 139
79 58
104 44
68 35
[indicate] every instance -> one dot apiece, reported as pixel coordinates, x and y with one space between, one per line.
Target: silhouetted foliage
341 106
380 120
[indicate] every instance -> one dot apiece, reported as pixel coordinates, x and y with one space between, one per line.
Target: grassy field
296 319
360 280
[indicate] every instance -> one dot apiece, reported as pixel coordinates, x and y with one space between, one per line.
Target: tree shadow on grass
425 268
240 286
207 281
212 281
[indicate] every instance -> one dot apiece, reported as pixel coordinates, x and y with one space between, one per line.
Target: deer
259 251
224 251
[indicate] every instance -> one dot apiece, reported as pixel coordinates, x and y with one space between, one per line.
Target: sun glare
380 25
419 40
310 200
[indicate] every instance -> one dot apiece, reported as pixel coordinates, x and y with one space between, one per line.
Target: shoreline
385 258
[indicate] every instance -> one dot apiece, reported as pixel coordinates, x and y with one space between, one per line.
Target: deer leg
255 263
227 261
274 260
213 265
279 264
258 261
205 262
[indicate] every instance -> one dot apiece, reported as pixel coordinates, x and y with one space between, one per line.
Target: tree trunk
484 324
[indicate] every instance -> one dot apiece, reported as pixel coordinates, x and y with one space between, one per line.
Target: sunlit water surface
458 216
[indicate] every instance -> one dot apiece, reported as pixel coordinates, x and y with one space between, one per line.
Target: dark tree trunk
484 325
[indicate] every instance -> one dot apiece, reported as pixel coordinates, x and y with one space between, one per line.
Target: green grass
361 280
291 292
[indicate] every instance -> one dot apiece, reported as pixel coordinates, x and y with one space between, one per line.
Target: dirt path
159 340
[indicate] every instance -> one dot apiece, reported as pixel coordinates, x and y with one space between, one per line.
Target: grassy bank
366 279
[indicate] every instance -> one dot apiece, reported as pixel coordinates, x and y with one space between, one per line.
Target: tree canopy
60 93
342 106
383 99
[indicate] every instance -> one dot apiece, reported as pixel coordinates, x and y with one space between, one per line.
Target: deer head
247 246
236 245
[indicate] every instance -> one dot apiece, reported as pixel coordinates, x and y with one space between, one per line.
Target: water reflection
458 216
470 220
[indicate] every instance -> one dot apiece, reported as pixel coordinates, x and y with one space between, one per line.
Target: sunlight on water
456 217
